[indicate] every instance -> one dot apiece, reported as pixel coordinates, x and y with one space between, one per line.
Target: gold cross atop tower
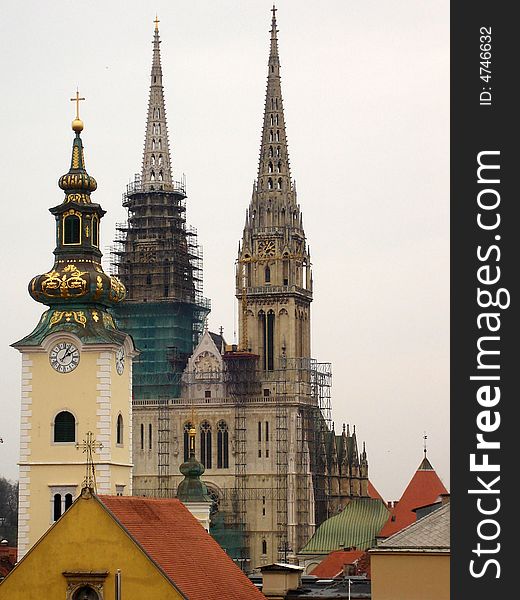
156 23
77 100
89 445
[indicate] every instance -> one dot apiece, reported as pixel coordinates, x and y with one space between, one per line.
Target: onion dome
191 488
76 288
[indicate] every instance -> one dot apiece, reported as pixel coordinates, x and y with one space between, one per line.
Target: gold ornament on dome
69 284
60 315
117 290
99 287
78 198
108 321
95 315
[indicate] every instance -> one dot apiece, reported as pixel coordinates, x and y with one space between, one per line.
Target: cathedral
274 466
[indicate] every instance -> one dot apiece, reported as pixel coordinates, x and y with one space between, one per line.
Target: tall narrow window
149 436
95 231
68 501
142 436
267 275
119 430
267 431
205 444
270 340
57 507
64 427
263 333
187 427
71 229
264 547
222 445
259 431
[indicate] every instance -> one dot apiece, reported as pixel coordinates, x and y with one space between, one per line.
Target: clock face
64 357
120 360
266 248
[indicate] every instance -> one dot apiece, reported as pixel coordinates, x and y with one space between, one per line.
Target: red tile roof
332 565
372 492
186 553
7 559
424 488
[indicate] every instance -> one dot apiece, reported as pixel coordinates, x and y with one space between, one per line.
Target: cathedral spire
156 172
273 169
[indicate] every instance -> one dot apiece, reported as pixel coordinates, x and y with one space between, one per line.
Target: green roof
356 526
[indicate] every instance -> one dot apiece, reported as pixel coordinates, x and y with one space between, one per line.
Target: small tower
273 280
192 492
76 366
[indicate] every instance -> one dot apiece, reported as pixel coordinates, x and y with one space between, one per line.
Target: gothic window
160 159
153 159
205 444
222 445
271 152
272 103
272 120
280 183
277 119
160 175
271 136
159 128
269 341
259 431
264 547
270 167
152 176
72 229
267 431
119 430
278 151
157 113
187 427
267 275
276 103
150 436
270 183
64 427
142 436
95 231
279 166
277 136
160 144
153 144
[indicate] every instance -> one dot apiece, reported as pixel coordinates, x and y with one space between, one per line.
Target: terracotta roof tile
332 565
424 488
187 554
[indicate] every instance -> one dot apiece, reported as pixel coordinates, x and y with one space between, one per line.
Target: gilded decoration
117 290
69 284
78 198
77 316
108 321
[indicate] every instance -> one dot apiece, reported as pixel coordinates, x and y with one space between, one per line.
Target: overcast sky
366 98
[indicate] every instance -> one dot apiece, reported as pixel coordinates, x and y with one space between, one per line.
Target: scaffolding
157 256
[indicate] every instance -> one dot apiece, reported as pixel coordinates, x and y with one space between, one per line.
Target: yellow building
414 564
76 368
110 547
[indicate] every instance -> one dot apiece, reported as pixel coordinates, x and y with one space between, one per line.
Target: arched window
271 136
280 183
68 501
267 275
160 159
142 436
270 183
56 513
160 175
95 231
279 166
71 229
270 167
153 159
264 547
153 144
271 152
187 427
152 176
205 444
64 427
222 445
277 136
278 151
119 430
85 592
150 436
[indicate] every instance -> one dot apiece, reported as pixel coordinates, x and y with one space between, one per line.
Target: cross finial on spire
89 446
425 437
77 100
156 21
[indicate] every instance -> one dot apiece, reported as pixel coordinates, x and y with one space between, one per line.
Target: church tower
76 368
158 260
274 280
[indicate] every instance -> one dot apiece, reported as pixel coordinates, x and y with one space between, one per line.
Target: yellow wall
410 576
86 538
95 394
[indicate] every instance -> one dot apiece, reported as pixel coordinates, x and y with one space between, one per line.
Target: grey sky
366 97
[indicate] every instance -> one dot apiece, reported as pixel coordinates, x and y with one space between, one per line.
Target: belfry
76 366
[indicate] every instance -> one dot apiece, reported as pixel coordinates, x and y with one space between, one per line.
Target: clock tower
76 367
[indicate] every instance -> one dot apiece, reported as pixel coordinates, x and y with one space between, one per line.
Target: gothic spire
273 169
156 173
